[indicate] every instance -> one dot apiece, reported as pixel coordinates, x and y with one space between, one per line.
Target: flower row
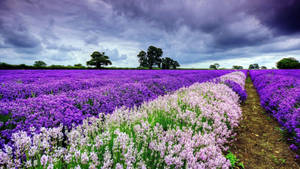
44 82
279 92
186 129
70 108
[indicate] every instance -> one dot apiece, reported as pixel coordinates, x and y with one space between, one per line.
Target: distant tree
143 60
175 64
152 57
99 59
78 65
39 64
254 66
214 66
263 67
237 67
288 63
167 63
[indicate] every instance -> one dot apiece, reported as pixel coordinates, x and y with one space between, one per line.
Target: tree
263 67
214 66
167 63
254 66
78 65
175 64
39 64
288 63
152 57
143 59
99 59
237 67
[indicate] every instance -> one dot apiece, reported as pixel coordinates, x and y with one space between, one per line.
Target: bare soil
260 144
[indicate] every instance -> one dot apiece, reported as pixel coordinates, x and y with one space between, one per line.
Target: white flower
28 164
68 158
77 167
44 160
50 166
84 158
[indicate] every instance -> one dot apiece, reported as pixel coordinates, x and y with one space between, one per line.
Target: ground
260 143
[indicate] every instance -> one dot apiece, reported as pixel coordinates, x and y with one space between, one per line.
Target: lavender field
279 91
115 118
149 84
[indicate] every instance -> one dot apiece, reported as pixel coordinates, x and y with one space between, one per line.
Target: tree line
147 60
285 63
153 56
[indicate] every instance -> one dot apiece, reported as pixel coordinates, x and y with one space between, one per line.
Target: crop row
36 83
279 92
70 108
186 129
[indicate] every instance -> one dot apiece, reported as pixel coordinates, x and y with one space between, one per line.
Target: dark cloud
14 32
191 31
212 17
281 16
20 40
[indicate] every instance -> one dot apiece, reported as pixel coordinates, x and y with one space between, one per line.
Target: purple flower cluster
279 92
101 92
238 89
236 81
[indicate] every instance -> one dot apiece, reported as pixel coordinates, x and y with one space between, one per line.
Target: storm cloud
194 32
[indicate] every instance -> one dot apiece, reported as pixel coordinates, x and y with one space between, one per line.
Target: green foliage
39 64
288 63
99 59
168 62
263 67
237 67
214 66
153 56
278 161
234 161
143 60
254 66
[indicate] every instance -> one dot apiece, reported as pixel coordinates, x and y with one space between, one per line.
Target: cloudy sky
197 33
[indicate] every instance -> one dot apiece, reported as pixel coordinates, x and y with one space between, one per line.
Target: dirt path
260 143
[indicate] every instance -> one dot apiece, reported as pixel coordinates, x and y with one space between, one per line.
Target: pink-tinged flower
93 166
84 158
94 158
44 160
77 167
77 154
32 151
119 166
68 158
50 166
3 157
